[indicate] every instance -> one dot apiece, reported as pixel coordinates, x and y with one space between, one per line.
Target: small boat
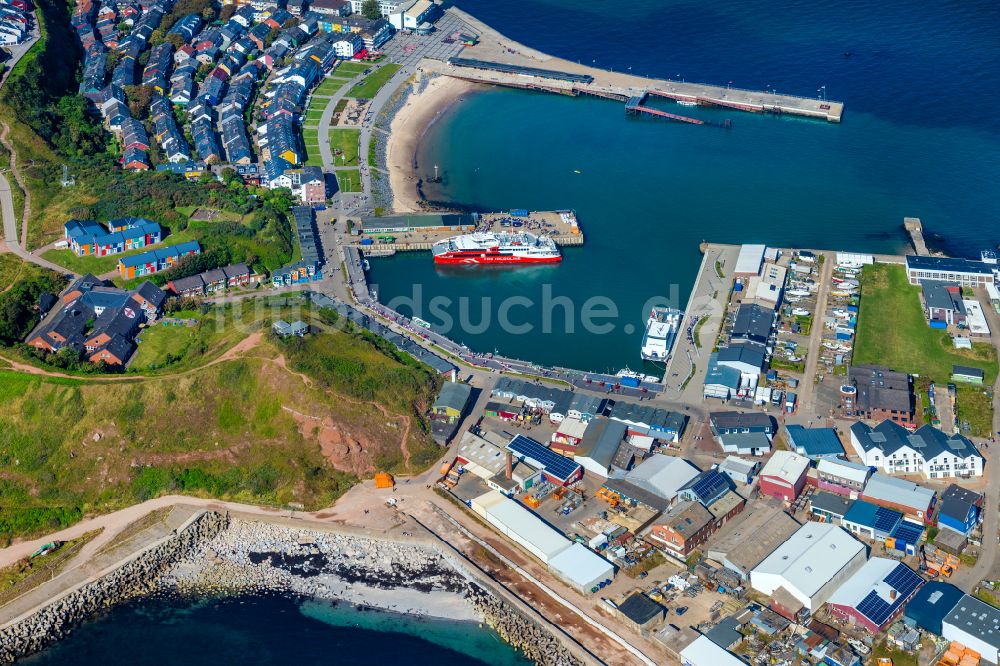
421 323
366 265
577 171
685 102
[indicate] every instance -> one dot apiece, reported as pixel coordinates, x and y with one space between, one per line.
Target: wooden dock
568 78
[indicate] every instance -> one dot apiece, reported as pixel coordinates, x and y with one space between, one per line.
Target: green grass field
349 180
329 87
350 68
371 85
310 136
346 141
10 269
892 331
239 429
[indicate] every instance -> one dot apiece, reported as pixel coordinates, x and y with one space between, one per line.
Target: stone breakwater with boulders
218 556
403 576
138 576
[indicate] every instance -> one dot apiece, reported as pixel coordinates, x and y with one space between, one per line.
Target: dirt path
26 211
236 351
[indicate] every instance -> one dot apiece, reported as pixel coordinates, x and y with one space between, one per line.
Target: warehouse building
976 625
640 612
829 508
809 566
916 502
814 443
966 272
744 542
874 596
574 563
403 224
749 260
704 652
599 446
784 476
931 605
871 521
663 476
555 468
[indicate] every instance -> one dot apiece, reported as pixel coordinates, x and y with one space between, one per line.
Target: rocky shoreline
217 556
136 577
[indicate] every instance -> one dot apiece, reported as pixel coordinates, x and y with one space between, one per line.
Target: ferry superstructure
661 332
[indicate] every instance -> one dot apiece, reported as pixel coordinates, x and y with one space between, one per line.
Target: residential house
682 530
927 451
943 302
960 509
876 393
452 401
154 261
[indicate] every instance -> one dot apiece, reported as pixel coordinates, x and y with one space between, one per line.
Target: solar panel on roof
885 519
908 533
874 608
709 485
904 580
554 464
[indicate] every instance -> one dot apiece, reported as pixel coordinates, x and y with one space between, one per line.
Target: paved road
986 565
807 389
707 300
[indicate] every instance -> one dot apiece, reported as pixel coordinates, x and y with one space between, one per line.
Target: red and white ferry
496 248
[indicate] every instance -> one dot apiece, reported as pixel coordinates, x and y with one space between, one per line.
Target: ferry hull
494 259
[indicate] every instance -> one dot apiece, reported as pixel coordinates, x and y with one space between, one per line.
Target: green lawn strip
374 82
351 68
893 331
349 180
346 141
99 265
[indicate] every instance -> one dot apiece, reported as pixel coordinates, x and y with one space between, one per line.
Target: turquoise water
272 630
919 138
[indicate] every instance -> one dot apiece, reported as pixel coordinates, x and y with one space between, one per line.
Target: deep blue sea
269 630
920 137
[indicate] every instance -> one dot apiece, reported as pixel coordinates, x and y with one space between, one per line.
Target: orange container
383 480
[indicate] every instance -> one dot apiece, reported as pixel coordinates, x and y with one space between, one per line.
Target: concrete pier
573 79
916 230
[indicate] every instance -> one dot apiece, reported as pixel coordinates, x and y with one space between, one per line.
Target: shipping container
519 212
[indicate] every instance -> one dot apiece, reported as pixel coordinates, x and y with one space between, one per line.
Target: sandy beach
408 127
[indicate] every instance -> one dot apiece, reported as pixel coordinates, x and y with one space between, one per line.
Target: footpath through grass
374 82
893 331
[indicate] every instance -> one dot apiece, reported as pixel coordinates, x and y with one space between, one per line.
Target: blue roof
948 264
554 464
161 254
815 441
873 516
931 604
